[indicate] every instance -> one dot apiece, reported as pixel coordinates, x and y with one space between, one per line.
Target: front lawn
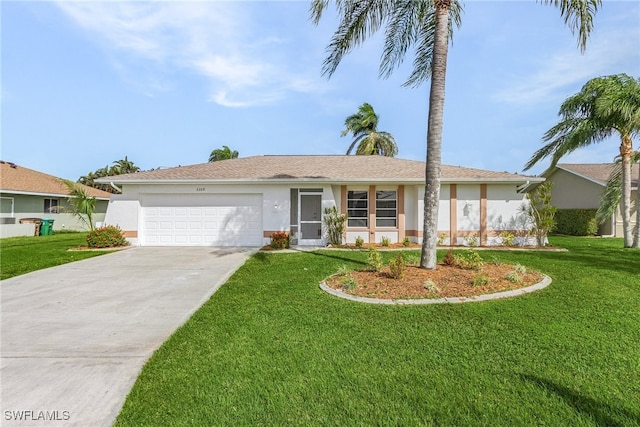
270 348
21 255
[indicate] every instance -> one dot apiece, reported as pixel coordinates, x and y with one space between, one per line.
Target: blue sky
86 83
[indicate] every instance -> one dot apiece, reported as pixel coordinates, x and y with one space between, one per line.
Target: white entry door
202 220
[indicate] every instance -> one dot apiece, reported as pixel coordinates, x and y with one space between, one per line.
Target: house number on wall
200 188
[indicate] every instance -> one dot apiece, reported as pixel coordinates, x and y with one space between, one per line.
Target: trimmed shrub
109 236
470 260
480 280
396 267
374 259
507 238
576 222
385 241
359 242
280 240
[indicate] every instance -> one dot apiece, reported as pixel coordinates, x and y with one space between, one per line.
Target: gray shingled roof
16 178
333 169
597 172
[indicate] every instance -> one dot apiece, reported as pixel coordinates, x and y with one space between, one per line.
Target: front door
310 219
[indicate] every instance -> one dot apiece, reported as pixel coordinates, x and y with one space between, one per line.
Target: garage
201 220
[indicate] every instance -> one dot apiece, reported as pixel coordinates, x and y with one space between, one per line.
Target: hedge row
576 222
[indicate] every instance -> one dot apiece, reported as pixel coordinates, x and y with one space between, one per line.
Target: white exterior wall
124 213
17 230
468 210
391 235
411 197
125 210
504 212
504 206
444 208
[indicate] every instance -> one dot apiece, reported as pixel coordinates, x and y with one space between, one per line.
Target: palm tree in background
426 26
604 106
119 167
123 166
612 196
224 153
367 140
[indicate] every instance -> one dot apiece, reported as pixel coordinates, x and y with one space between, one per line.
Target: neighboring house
241 202
26 193
580 186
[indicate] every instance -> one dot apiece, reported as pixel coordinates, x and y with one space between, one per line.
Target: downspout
115 187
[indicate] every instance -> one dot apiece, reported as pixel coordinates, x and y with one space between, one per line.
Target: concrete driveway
75 337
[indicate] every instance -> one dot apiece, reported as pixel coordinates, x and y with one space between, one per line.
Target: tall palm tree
612 195
363 125
604 106
223 153
426 25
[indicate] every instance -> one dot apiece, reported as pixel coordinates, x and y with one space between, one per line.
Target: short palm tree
426 26
604 106
223 153
81 204
367 140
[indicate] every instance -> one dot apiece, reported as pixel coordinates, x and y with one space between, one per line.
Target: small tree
81 204
540 212
334 222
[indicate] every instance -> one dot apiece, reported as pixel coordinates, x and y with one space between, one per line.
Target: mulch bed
450 282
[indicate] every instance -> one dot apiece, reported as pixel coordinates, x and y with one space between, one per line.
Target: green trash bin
46 229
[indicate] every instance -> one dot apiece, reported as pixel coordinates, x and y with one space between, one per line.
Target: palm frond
578 16
604 106
80 203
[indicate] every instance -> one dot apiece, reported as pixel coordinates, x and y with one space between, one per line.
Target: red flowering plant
280 240
109 236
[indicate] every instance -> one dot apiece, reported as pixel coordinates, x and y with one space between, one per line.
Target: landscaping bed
445 282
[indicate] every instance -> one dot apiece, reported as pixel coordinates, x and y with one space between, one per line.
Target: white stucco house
241 202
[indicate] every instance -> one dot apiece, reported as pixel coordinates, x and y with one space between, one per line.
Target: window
357 208
50 205
386 209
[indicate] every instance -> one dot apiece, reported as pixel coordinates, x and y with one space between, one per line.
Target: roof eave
332 181
34 193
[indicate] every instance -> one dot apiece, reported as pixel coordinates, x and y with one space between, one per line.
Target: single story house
242 202
26 193
580 186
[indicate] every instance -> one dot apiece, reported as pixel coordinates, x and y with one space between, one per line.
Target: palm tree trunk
626 151
434 135
636 235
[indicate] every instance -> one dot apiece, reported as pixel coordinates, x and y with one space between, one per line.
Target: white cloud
217 40
569 68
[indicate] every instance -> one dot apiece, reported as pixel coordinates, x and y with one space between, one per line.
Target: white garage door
202 220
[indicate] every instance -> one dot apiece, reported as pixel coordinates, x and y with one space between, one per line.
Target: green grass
270 348
20 255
